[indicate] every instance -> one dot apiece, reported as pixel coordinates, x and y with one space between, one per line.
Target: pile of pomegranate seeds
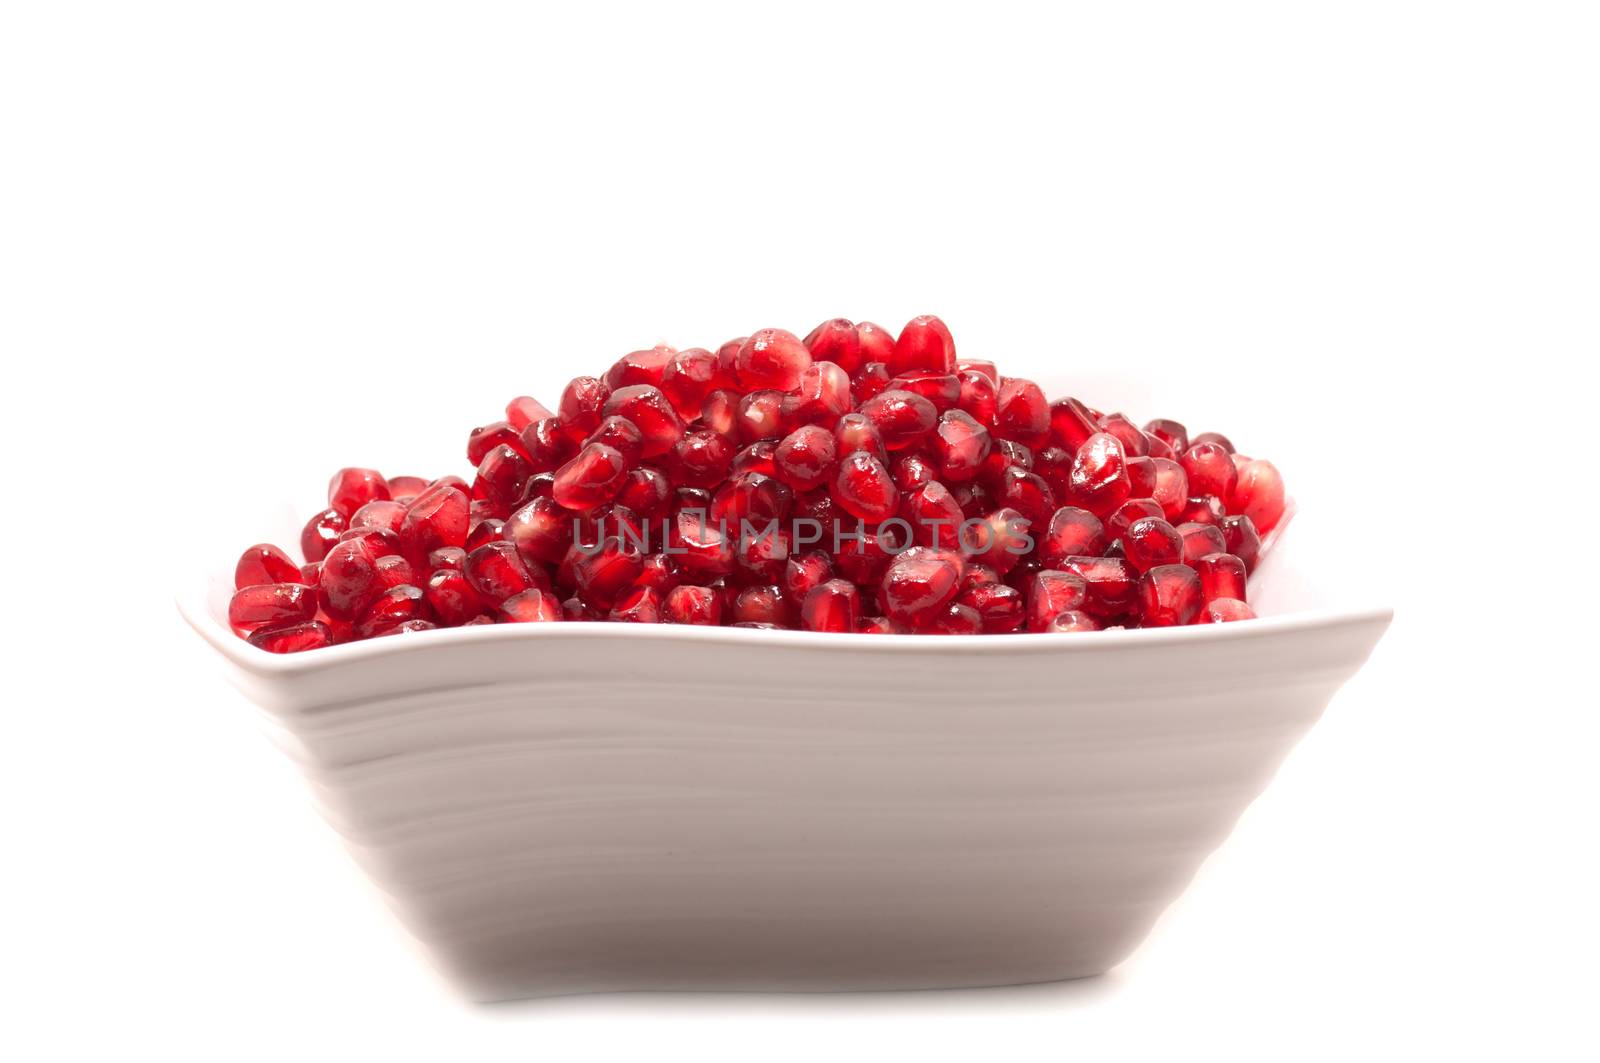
850 481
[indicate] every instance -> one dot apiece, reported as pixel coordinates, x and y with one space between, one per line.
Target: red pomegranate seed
1142 477
640 367
1259 494
1070 424
1073 621
1207 509
1199 540
524 410
999 607
761 554
349 580
924 344
761 416
836 341
496 571
700 545
547 444
876 625
860 556
320 533
954 619
1209 469
865 489
1173 434
806 458
403 489
1072 532
1132 438
870 381
1171 490
579 411
763 605
605 572
998 540
688 378
803 572
1169 596
1241 539
688 604
1028 494
877 343
486 438
593 477
1221 576
1054 592
759 456
350 489
541 531
751 497
452 598
823 395
960 443
1112 584
270 605
771 358
1225 611
621 435
393 607
378 516
701 459
645 490
530 607
901 418
978 396
642 605
294 639
438 517
651 413
657 573
720 413
831 606
1213 437
394 571
941 389
1022 413
1150 542
452 557
855 431
1099 479
934 515
264 563
919 584
502 475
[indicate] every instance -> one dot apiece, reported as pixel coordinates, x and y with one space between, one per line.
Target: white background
241 245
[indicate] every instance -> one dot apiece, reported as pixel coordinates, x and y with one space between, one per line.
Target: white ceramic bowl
558 808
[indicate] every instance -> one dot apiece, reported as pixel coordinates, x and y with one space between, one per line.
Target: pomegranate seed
865 489
394 571
998 540
547 444
1241 539
1209 469
961 443
1142 477
689 378
823 395
1221 576
378 516
1207 509
320 533
1054 592
1000 608
763 605
393 607
977 396
751 497
640 367
900 417
270 605
771 358
1173 434
1132 438
1070 424
924 344
530 607
877 343
701 458
1150 542
349 580
1072 532
622 436
1259 494
934 515
720 413
264 563
761 416
1226 610
1213 437
645 490
836 341
541 531
1200 540
831 606
579 411
601 575
759 456
1156 447
912 469
870 381
919 585
861 557
350 489
593 477
403 489
855 431
486 438
1074 621
496 571
1112 584
1099 479
642 605
438 517
451 557
803 572
1028 494
688 604
1171 490
452 598
501 477
806 458
701 545
943 390
1022 412
762 555
876 625
955 619
523 411
293 639
657 573
649 410
1169 596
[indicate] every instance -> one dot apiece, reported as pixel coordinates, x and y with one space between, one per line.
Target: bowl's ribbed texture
593 807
